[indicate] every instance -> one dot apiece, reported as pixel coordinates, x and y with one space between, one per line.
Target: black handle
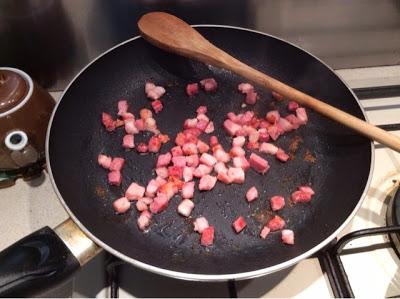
34 264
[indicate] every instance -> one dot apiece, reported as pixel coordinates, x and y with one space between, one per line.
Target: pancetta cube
200 224
221 156
154 144
179 161
159 204
104 161
157 106
241 162
121 205
276 223
135 191
288 236
208 159
142 148
268 148
162 172
128 141
277 202
224 177
130 127
188 190
239 224
185 207
264 232
292 106
114 178
209 84
202 170
207 236
187 173
163 159
281 155
251 98
192 89
189 149
238 141
117 164
122 107
273 116
258 164
231 128
207 182
251 194
236 174
144 220
108 122
302 115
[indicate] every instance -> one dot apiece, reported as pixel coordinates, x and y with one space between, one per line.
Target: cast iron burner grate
328 257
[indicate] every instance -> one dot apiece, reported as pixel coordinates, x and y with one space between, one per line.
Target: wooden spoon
174 35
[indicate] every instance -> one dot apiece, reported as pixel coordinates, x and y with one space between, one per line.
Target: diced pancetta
268 148
188 190
288 236
202 170
104 161
236 174
117 164
121 205
200 224
241 162
239 224
135 191
258 164
264 232
276 223
128 141
277 202
207 182
251 194
192 89
185 207
144 220
207 236
209 84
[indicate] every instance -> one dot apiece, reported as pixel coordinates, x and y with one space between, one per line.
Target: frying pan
340 176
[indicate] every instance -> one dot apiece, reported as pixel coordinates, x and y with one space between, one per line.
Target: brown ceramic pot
25 110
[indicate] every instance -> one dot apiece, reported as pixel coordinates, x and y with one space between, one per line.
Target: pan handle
44 259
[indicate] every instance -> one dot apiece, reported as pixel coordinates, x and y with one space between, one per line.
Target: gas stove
368 264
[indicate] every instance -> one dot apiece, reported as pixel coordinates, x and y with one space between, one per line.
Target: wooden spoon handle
174 35
369 130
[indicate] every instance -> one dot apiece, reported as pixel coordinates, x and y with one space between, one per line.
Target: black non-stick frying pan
339 176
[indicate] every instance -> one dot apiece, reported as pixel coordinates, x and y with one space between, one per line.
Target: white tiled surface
26 207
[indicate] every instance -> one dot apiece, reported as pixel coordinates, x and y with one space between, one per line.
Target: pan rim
208 277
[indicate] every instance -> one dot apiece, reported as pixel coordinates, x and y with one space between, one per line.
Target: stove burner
393 218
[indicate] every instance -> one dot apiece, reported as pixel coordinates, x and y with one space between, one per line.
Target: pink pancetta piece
221 156
117 164
301 196
274 132
202 116
201 110
207 182
258 164
213 140
108 122
281 155
307 189
179 161
210 128
207 236
268 148
245 87
188 190
160 181
233 117
237 151
114 178
236 175
208 160
185 207
139 123
145 113
142 148
152 187
154 144
200 224
121 205
134 191
209 84
163 159
220 166
192 160
192 89
231 128
241 162
157 106
202 170
254 136
187 173
276 223
104 161
144 220
202 125
141 205
154 92
288 236
189 149
294 121
202 146
159 204
128 141
277 96
273 116
175 171
264 232
292 106
162 172
176 151
122 107
285 125
224 177
239 224
190 123
263 135
252 145
238 141
251 98
251 194
130 127
302 115
277 202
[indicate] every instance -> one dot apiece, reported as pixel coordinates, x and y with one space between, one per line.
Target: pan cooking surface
339 176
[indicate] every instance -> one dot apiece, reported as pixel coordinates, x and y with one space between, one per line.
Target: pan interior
339 175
